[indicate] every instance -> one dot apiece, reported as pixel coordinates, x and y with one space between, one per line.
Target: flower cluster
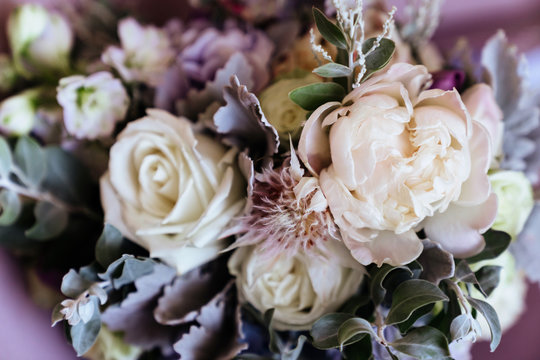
262 175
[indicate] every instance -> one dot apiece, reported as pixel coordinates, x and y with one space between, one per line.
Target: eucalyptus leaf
84 335
6 159
333 70
412 295
354 330
423 343
51 220
109 245
488 278
329 30
11 207
127 269
380 57
30 159
496 243
74 284
492 319
310 97
325 330
377 289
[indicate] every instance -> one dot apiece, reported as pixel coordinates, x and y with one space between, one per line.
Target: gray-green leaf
354 330
127 269
325 330
109 245
84 335
30 159
380 57
11 207
378 292
6 159
423 343
74 284
492 319
462 326
488 278
329 30
496 243
51 220
411 295
333 70
294 353
312 96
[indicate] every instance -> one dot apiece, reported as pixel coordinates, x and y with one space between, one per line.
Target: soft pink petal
459 228
386 247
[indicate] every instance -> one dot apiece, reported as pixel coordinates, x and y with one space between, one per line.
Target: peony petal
313 147
385 247
459 228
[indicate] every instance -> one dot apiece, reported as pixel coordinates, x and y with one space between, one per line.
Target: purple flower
448 79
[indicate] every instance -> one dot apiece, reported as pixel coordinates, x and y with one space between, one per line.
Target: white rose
18 113
92 105
172 190
301 288
146 53
40 40
396 159
284 115
508 299
516 201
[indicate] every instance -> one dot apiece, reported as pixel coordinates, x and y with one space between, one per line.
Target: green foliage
109 246
423 343
410 296
492 319
51 220
312 96
11 207
353 330
30 159
73 284
325 330
377 290
378 58
127 269
84 334
496 243
6 159
333 70
488 278
329 30
360 350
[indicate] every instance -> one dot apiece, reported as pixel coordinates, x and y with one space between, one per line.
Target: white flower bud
92 105
40 40
18 113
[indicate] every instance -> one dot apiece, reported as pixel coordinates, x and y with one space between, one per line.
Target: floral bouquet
288 180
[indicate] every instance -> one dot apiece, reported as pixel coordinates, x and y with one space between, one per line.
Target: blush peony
393 159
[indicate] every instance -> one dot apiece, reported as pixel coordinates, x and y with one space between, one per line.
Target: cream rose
172 190
393 159
301 288
516 201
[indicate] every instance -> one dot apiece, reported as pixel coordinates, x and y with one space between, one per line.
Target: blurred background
475 19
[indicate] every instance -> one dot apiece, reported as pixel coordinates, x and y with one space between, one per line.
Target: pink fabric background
25 332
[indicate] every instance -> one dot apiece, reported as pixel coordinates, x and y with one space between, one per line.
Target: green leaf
423 343
30 159
380 57
11 207
333 70
84 335
274 344
464 273
492 319
127 269
329 30
496 243
488 278
354 303
6 159
109 246
354 330
66 177
412 295
462 326
325 330
310 97
51 220
74 284
360 350
437 263
294 353
378 292
417 314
